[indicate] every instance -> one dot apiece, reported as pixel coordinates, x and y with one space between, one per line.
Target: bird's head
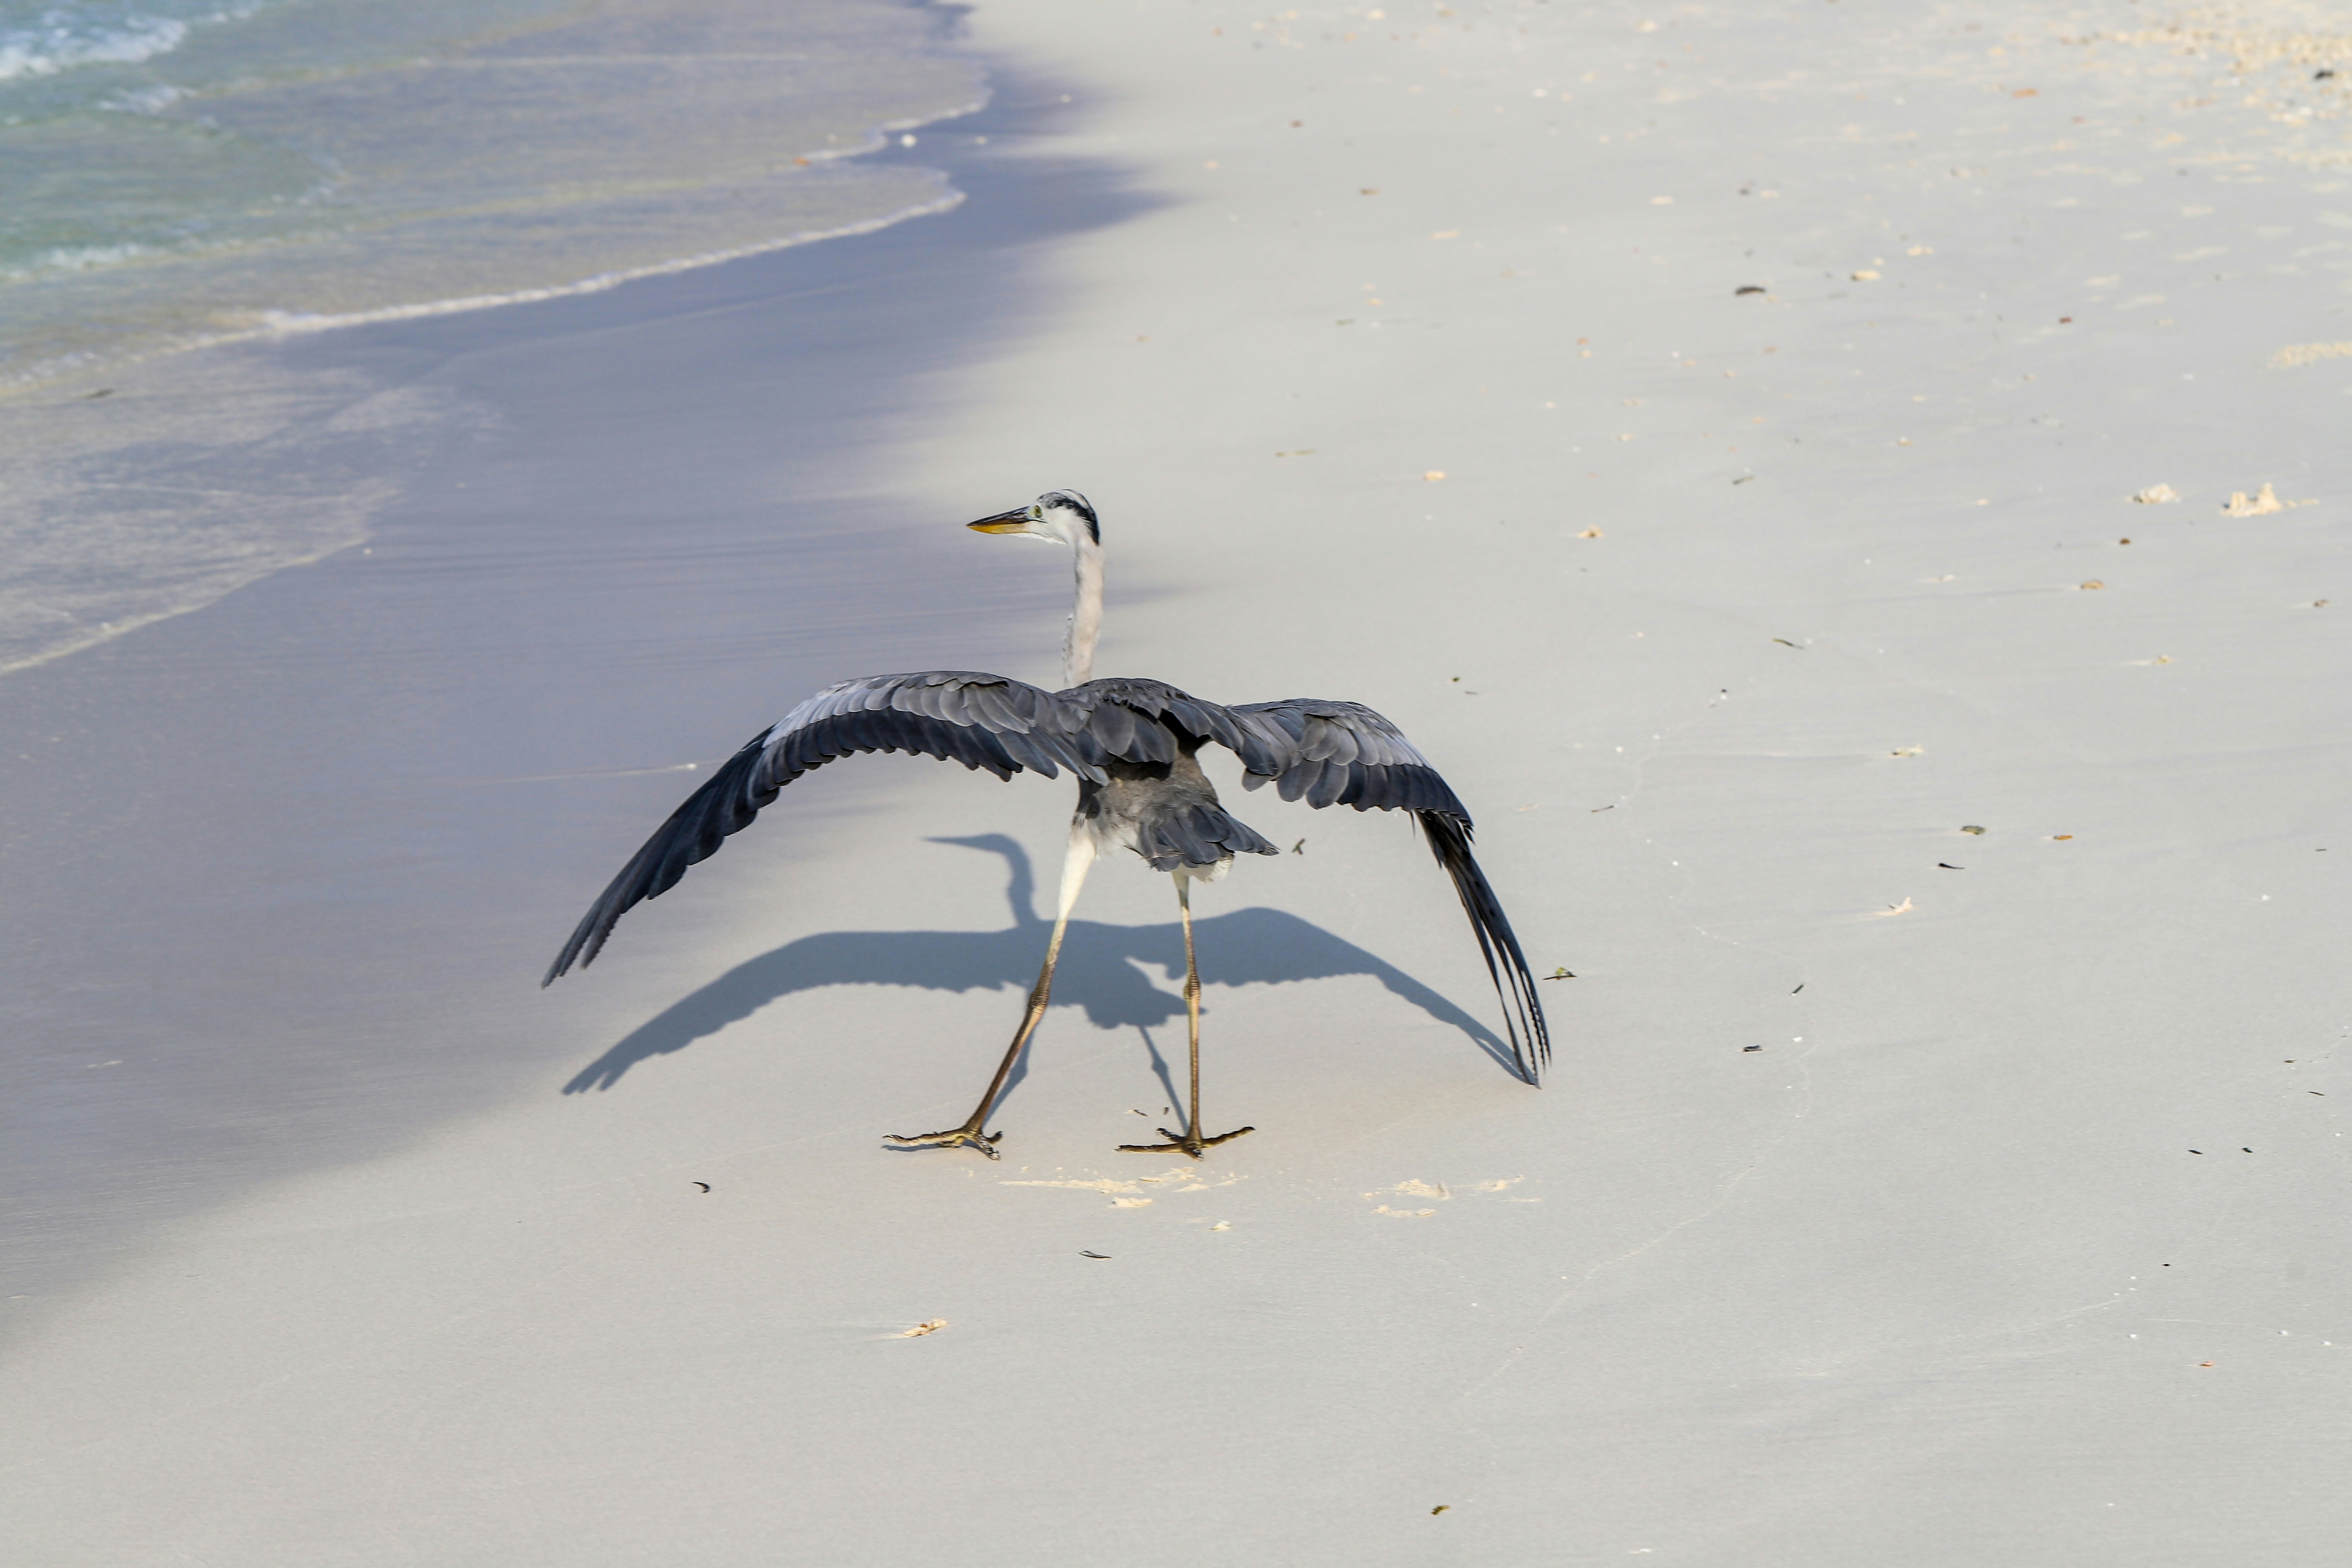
1062 517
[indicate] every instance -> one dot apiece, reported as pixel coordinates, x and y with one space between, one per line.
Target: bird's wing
1343 754
980 720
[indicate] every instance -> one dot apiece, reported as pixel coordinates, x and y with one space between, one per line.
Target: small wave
278 323
144 101
74 259
47 50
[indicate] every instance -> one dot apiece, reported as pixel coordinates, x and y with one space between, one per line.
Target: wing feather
1506 966
987 708
1023 749
1112 724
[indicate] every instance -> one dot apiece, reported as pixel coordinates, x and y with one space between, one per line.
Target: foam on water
180 173
49 39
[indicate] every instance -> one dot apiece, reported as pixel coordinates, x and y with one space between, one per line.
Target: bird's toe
953 1138
1179 1143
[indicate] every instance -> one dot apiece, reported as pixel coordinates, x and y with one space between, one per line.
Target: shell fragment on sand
2262 502
2296 355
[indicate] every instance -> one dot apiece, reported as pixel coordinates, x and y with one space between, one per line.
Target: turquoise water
175 171
186 175
106 154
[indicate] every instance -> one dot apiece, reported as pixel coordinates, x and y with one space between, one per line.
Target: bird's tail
1515 986
1198 836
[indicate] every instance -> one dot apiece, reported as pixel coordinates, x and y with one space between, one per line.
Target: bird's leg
1190 1141
1074 876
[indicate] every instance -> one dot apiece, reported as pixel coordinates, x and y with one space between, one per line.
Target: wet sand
1902 1193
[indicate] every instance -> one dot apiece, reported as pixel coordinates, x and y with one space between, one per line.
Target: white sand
2020 1240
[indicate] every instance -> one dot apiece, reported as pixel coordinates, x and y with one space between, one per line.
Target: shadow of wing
937 960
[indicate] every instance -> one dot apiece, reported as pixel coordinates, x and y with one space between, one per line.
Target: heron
1134 746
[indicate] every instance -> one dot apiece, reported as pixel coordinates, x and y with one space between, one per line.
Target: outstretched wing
980 720
1343 754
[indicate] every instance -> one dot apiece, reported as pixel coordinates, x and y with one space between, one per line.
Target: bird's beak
1014 521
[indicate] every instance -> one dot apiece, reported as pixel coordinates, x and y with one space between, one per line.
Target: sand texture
1733 441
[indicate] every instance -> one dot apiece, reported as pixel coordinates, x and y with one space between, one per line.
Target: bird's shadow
1099 971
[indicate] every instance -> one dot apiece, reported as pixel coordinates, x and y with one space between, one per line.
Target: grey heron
1134 747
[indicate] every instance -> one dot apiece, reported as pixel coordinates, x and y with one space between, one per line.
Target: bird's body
1169 813
1134 746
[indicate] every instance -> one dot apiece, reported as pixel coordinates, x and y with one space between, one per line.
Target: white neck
1085 613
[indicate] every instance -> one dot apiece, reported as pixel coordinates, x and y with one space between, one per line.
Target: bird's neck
1086 615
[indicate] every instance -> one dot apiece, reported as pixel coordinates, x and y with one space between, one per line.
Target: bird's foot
1191 1144
955 1136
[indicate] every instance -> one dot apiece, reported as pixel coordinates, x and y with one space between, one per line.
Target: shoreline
276 325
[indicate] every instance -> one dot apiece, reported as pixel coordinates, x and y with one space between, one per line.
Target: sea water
181 175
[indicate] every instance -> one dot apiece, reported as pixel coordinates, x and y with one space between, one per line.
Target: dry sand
1945 1158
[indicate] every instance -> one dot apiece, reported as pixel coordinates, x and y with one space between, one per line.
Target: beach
1851 498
